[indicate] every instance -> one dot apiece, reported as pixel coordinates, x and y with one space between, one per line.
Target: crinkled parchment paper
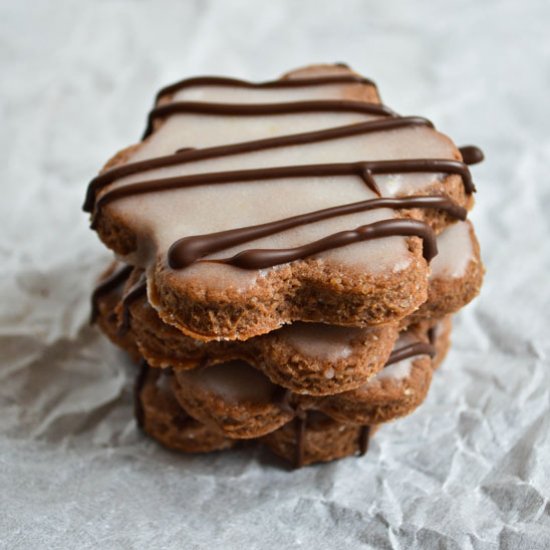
470 469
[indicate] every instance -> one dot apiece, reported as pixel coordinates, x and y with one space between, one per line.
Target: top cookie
254 205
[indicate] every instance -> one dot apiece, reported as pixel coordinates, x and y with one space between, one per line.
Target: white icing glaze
438 329
203 130
397 371
191 130
193 212
329 374
163 382
455 251
162 218
238 381
234 381
405 143
401 369
326 342
228 94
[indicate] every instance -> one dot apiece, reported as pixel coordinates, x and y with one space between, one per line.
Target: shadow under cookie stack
289 255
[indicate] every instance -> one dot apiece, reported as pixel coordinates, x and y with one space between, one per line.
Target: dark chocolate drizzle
181 419
137 290
282 397
272 84
364 436
114 280
263 258
188 250
189 154
418 348
364 170
471 154
256 259
300 425
184 150
264 109
138 387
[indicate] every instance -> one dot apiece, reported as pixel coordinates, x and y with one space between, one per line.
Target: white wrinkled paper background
470 469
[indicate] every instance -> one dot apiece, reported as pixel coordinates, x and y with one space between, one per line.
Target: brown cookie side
228 410
303 291
315 439
276 354
234 315
104 305
241 402
447 295
383 400
163 418
318 439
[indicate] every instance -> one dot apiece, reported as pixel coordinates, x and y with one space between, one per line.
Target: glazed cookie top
399 365
455 251
234 179
239 381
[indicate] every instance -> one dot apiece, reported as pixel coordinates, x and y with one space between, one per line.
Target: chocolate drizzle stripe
190 155
272 84
471 154
282 397
265 109
115 279
269 257
196 247
418 348
300 427
137 290
188 250
364 436
361 169
138 388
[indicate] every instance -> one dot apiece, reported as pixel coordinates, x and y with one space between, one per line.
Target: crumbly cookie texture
160 416
456 273
307 358
312 142
104 304
241 402
323 440
310 439
289 255
238 401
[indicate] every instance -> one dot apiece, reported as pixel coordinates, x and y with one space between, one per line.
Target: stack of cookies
289 254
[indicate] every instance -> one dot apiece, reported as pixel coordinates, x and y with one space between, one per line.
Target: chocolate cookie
104 303
241 402
318 438
313 437
304 199
159 415
456 274
307 358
